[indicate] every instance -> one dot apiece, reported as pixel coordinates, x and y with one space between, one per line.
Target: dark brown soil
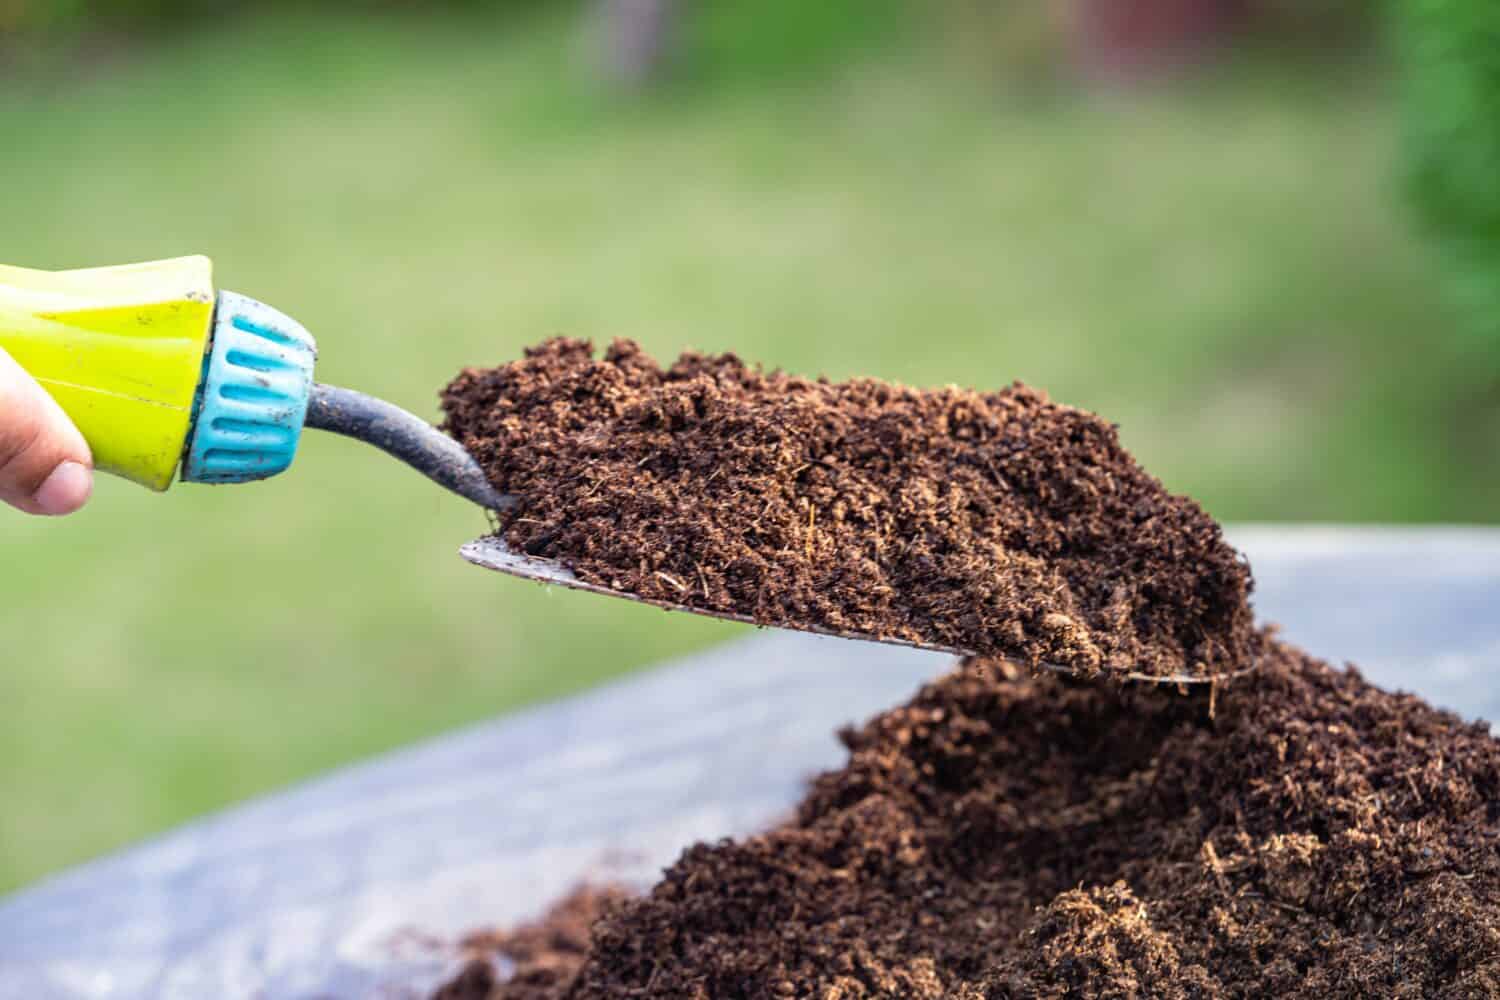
544 956
1000 522
1296 833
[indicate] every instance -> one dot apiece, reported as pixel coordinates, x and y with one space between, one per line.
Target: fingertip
65 490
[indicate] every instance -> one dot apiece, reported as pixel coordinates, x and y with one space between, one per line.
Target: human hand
45 464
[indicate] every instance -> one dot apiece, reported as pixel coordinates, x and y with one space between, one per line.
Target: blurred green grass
1225 271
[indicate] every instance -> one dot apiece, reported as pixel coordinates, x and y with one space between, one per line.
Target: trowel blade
491 552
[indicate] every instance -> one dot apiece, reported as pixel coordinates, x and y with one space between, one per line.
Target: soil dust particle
1012 837
999 522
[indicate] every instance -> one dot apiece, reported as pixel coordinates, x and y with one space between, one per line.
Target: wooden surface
336 887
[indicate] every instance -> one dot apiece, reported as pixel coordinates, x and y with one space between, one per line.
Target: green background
1226 269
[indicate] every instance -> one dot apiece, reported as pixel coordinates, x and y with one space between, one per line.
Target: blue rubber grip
253 397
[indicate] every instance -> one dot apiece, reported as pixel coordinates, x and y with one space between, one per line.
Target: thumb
45 464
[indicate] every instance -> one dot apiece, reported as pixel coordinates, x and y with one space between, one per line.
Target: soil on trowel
1298 832
999 522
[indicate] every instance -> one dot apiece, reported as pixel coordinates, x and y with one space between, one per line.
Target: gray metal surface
338 888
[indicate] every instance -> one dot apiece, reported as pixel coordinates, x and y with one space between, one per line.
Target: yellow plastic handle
121 349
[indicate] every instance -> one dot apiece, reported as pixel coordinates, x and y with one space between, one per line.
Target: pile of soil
1299 832
998 523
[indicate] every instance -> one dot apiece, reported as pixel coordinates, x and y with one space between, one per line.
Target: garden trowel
167 378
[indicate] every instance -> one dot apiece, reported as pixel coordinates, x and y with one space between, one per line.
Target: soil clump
540 959
999 523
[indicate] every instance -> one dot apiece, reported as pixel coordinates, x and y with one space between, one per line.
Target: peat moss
998 523
1297 833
